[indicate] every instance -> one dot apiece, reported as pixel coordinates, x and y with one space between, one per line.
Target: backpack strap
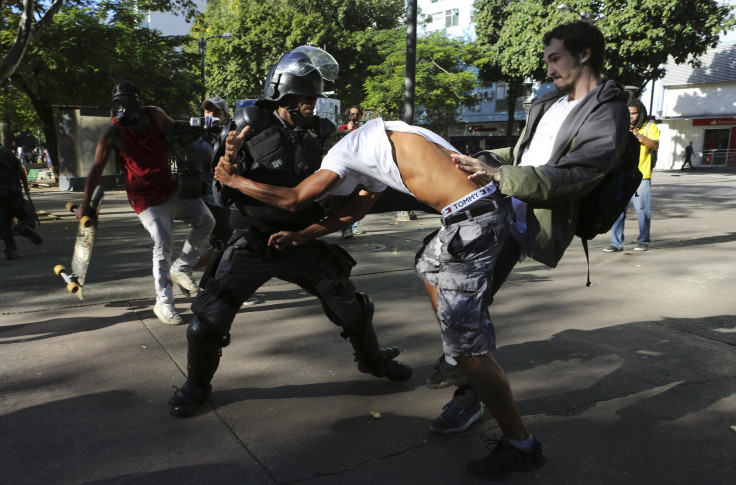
587 258
646 128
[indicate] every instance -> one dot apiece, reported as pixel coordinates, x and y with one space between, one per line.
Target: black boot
187 399
203 357
371 358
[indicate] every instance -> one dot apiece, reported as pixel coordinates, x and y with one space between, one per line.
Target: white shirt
364 157
538 153
539 150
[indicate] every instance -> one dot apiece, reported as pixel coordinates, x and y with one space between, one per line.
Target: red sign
478 129
714 121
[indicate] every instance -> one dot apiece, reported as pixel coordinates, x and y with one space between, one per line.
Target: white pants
159 222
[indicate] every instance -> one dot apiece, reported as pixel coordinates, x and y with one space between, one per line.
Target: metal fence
720 156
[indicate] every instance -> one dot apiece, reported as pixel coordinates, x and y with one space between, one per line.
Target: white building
699 105
455 17
485 126
168 23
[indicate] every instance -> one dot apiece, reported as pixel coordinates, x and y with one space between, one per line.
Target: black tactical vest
282 157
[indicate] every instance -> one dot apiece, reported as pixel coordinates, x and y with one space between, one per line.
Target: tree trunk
7 131
27 30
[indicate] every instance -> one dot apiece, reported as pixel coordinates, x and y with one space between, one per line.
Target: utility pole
202 42
411 61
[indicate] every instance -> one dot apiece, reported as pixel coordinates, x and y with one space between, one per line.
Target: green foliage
264 31
639 35
77 58
81 49
443 80
17 114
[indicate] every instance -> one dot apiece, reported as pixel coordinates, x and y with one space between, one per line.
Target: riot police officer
283 146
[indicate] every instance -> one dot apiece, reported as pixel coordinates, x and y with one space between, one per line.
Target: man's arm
650 143
109 140
596 147
166 120
354 211
292 199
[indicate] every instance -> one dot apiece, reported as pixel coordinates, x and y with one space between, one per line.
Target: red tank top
148 178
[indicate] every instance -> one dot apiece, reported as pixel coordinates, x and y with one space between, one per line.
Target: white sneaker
250 301
167 314
186 282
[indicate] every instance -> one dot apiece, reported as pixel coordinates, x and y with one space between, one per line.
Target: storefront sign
714 122
481 129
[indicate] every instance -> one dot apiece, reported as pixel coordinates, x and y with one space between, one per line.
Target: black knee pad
202 336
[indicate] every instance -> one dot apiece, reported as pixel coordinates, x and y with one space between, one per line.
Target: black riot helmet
300 72
126 102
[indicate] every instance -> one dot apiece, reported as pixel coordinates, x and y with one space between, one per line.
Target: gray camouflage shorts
459 262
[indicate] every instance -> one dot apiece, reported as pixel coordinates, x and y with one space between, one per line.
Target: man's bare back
428 171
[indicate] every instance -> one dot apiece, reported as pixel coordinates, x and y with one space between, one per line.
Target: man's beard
567 88
564 89
301 120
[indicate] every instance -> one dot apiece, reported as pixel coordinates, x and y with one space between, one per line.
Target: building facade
699 105
486 125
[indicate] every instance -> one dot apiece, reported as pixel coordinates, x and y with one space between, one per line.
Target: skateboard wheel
86 221
71 206
58 269
73 287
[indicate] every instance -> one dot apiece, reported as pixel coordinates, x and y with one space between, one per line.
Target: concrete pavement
631 380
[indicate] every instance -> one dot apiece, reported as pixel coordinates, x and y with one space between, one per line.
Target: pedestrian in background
688 156
648 135
13 205
355 113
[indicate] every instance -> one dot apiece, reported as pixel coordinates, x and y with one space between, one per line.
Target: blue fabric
643 207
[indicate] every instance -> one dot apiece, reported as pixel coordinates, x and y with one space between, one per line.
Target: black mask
299 120
126 107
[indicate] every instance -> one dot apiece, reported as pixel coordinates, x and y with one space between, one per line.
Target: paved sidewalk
632 380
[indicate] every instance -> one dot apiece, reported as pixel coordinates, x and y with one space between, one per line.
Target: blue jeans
643 207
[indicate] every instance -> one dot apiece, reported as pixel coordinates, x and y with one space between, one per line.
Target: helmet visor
305 59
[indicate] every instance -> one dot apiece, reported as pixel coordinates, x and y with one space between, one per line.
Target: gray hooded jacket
587 146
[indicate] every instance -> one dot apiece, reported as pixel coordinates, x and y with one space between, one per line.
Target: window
501 91
452 17
715 146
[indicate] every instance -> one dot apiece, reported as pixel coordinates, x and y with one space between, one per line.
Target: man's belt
472 212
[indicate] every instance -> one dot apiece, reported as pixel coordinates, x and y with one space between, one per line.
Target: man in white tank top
555 166
416 161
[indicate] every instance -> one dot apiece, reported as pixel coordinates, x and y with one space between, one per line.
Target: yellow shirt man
651 131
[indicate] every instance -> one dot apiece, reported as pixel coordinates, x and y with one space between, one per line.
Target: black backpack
599 209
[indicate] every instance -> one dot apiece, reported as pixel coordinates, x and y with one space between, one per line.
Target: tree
23 19
27 19
16 110
639 35
83 49
443 80
264 31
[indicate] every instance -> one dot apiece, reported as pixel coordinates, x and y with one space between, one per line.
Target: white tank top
364 157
